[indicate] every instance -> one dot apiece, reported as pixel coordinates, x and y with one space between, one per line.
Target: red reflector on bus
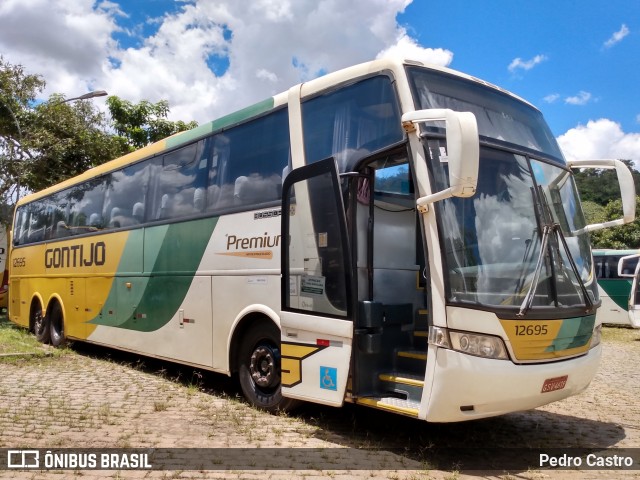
323 343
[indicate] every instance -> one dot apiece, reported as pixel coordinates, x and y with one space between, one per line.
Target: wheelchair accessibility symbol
329 378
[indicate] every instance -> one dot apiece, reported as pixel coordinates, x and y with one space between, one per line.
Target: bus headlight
479 345
596 337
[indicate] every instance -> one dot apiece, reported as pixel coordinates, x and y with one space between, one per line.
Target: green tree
601 202
143 123
622 237
66 139
601 186
44 143
18 91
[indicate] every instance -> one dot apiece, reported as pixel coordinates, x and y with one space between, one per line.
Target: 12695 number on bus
530 330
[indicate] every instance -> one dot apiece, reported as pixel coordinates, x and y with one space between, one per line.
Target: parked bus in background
4 251
394 235
615 282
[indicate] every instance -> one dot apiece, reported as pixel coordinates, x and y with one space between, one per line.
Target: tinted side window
126 189
179 182
58 208
86 203
21 227
352 122
248 162
630 267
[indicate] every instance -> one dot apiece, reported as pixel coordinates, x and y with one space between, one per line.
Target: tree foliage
601 186
44 143
17 91
600 195
66 139
622 237
143 123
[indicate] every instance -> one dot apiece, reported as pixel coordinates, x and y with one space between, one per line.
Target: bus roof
603 252
308 88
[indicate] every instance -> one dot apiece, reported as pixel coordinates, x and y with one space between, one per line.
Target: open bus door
317 310
629 266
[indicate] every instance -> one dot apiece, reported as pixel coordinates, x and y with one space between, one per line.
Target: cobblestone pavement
97 398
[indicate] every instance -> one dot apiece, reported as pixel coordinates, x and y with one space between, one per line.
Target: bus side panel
186 335
243 257
230 295
614 294
161 307
100 305
74 306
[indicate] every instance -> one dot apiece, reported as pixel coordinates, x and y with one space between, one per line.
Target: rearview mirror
463 150
627 266
627 191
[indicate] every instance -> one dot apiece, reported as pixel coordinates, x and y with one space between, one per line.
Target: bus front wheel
259 369
56 326
40 323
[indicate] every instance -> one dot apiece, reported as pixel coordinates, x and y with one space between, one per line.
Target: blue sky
575 60
486 36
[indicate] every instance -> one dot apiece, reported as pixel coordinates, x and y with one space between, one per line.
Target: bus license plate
552 384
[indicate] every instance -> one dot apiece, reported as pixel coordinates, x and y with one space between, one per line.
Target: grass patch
15 339
620 334
16 342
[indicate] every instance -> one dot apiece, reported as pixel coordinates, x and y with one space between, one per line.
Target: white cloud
617 36
601 138
518 63
552 97
64 42
582 98
264 47
407 47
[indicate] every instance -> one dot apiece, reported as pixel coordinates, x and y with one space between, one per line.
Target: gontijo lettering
76 256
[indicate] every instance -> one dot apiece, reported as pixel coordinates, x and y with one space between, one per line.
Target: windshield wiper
528 299
587 299
547 231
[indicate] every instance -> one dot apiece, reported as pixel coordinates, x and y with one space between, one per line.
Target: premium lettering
247 243
76 256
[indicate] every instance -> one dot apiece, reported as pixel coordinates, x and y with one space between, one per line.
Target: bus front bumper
467 387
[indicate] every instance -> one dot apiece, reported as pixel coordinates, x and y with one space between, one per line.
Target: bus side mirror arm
463 151
627 191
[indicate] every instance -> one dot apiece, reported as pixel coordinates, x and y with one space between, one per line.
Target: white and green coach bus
395 235
617 272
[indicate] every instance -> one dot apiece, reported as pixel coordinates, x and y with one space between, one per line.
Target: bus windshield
499 115
518 243
496 250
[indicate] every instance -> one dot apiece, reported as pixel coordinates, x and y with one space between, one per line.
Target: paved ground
96 398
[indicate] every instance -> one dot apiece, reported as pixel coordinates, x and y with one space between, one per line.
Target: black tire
259 369
56 326
40 323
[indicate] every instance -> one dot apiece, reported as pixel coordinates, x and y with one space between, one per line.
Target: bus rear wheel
40 323
56 326
259 369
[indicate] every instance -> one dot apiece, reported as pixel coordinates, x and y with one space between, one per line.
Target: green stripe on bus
220 123
574 333
157 295
618 290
